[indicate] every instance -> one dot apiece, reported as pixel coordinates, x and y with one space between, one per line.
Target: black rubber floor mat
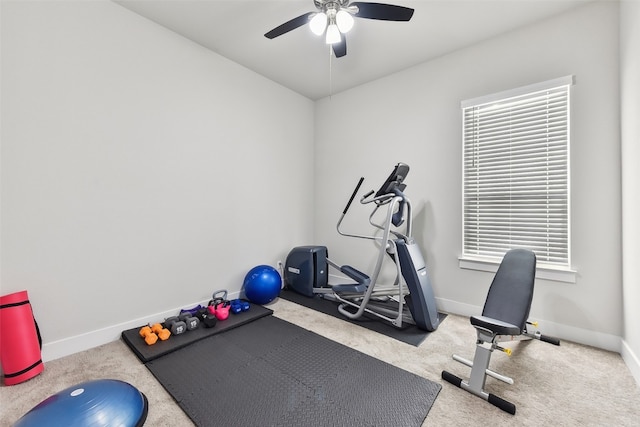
147 353
409 334
272 373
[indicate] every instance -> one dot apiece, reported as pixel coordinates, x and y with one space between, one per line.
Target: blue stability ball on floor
90 404
262 284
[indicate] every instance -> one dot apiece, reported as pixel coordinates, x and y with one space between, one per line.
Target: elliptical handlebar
346 208
379 200
353 195
391 191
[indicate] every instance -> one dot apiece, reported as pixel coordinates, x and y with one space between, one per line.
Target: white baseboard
64 347
67 346
632 361
563 332
455 307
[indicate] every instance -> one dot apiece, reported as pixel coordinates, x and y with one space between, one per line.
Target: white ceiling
301 61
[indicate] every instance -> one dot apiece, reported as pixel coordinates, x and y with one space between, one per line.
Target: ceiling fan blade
289 25
340 49
383 12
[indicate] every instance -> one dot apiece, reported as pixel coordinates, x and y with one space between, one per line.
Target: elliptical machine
408 300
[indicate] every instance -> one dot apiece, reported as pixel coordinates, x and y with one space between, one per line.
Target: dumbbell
207 319
176 325
160 331
238 306
193 311
190 320
149 336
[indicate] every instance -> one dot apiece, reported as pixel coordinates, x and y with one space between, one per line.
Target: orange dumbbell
162 332
149 336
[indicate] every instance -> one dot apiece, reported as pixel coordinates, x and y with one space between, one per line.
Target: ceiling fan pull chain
330 72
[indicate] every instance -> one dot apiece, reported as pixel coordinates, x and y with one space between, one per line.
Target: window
516 174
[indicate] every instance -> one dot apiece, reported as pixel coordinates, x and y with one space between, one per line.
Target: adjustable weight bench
504 318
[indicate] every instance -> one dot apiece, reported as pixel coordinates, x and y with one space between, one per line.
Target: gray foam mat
147 353
270 372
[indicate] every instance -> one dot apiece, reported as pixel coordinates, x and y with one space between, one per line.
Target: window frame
553 271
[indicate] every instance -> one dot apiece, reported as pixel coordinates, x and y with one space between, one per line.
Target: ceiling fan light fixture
344 20
333 34
318 23
333 18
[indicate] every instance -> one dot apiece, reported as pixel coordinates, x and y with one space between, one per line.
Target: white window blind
516 173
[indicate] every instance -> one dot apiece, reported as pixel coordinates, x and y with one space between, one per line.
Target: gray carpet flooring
569 385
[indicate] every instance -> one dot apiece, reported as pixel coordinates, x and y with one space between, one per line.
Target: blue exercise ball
262 284
90 404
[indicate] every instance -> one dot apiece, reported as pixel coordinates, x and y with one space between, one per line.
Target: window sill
545 272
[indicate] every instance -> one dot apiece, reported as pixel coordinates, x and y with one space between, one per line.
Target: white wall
414 117
630 102
140 171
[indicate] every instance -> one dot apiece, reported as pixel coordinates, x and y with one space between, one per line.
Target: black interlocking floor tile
272 373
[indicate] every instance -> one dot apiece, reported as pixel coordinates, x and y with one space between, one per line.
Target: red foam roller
19 342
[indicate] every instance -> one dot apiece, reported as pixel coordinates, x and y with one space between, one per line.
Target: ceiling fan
334 18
